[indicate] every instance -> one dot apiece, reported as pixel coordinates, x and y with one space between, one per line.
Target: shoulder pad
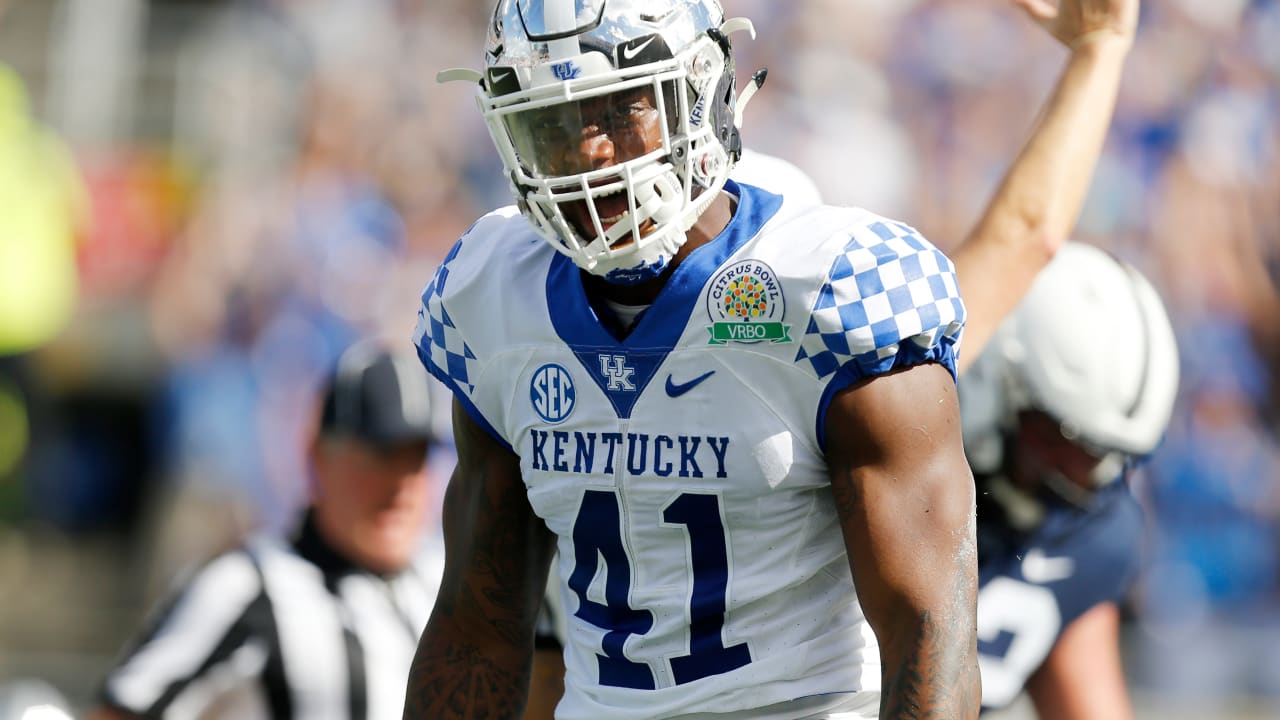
890 299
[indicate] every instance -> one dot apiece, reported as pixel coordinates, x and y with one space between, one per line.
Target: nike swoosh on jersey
674 390
630 52
1040 568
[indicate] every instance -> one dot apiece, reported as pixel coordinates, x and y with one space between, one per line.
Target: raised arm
906 503
1036 205
473 658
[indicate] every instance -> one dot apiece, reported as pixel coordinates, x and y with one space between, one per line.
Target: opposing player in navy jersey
726 411
1075 387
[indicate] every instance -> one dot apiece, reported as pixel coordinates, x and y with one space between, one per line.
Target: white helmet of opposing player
1090 346
549 63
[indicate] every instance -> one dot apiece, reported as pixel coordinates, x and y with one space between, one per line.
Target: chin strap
1110 468
1062 487
659 200
756 82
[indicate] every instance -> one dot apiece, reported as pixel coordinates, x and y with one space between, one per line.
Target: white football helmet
1090 346
550 65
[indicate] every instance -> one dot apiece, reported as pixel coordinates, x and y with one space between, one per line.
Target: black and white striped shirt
281 631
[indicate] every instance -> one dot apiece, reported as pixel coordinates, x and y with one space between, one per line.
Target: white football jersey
701 560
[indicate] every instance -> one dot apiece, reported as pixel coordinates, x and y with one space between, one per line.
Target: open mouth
612 208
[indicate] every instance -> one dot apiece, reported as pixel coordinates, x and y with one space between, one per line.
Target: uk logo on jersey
615 369
552 393
746 305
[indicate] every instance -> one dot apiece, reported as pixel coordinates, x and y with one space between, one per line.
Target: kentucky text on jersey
590 453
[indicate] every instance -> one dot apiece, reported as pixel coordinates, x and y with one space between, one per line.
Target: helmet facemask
1039 470
614 150
1061 461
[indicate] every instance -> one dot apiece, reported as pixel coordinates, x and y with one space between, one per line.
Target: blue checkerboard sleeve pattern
890 300
441 346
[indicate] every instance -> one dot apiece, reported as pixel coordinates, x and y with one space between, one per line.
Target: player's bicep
497 551
905 497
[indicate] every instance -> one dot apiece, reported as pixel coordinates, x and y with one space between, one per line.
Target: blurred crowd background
202 202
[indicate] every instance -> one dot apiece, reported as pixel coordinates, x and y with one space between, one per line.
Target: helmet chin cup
663 203
635 268
1059 485
658 200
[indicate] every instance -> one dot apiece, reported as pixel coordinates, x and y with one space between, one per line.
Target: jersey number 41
597 533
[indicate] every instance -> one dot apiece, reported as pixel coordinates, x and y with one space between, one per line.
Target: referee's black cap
378 397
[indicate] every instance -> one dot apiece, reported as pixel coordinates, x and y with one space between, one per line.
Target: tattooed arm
906 503
473 658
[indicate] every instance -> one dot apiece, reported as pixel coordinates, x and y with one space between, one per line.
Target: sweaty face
586 135
371 502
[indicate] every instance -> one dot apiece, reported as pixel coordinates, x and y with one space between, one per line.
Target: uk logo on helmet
566 70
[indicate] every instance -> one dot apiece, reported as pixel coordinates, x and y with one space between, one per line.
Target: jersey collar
643 350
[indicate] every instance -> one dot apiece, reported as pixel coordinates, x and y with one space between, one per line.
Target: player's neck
708 226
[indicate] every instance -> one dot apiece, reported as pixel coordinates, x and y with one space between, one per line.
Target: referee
324 625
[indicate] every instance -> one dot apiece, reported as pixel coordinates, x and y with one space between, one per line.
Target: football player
724 409
604 537
1074 389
